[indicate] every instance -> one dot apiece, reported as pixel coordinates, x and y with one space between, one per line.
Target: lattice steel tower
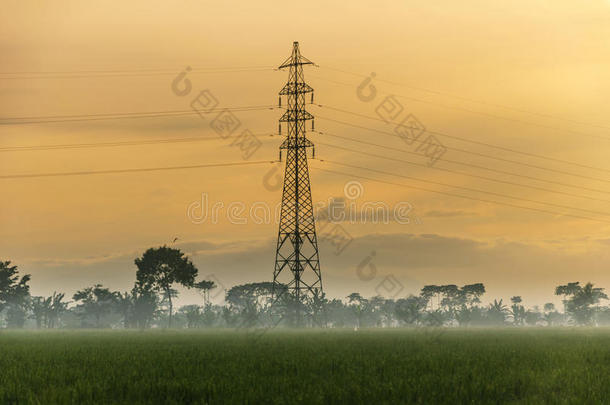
297 265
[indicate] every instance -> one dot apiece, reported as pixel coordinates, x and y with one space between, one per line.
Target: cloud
507 268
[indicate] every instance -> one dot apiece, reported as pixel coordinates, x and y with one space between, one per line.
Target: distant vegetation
150 304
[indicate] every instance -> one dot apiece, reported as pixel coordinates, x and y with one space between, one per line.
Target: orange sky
456 66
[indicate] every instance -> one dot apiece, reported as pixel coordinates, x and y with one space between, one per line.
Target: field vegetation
315 366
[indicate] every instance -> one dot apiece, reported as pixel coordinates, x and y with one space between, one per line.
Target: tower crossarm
293 143
296 115
295 88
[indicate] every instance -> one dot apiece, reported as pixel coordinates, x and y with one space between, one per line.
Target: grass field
312 367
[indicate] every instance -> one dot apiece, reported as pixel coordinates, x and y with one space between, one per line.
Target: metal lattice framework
297 264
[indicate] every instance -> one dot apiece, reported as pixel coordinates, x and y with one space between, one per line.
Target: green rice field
377 366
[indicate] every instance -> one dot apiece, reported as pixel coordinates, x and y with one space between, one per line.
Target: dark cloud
506 267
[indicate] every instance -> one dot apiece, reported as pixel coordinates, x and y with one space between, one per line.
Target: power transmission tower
297 265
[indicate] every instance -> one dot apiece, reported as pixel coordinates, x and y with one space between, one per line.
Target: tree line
150 304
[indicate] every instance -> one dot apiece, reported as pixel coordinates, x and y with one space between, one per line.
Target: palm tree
40 308
46 311
125 305
497 312
56 309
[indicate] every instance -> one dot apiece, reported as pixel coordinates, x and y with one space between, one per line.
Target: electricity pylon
297 265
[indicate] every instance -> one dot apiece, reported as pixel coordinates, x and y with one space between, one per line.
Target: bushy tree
249 302
145 306
550 315
359 306
161 268
193 315
14 294
581 304
410 310
94 303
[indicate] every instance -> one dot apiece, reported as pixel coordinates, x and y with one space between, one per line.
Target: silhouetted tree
551 316
57 308
46 311
359 306
161 268
145 305
429 291
249 301
451 298
95 302
533 316
566 290
318 307
192 313
473 293
14 294
40 307
497 312
124 302
338 313
580 305
410 310
205 286
211 313
437 317
517 311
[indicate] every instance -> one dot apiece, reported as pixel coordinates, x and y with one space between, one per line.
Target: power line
472 189
520 110
124 73
418 100
456 162
458 195
452 171
471 152
125 115
113 144
468 110
459 138
168 69
136 170
95 119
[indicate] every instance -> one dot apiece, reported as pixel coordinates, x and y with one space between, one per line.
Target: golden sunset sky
517 91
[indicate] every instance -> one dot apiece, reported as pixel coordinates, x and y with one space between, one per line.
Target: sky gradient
498 82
